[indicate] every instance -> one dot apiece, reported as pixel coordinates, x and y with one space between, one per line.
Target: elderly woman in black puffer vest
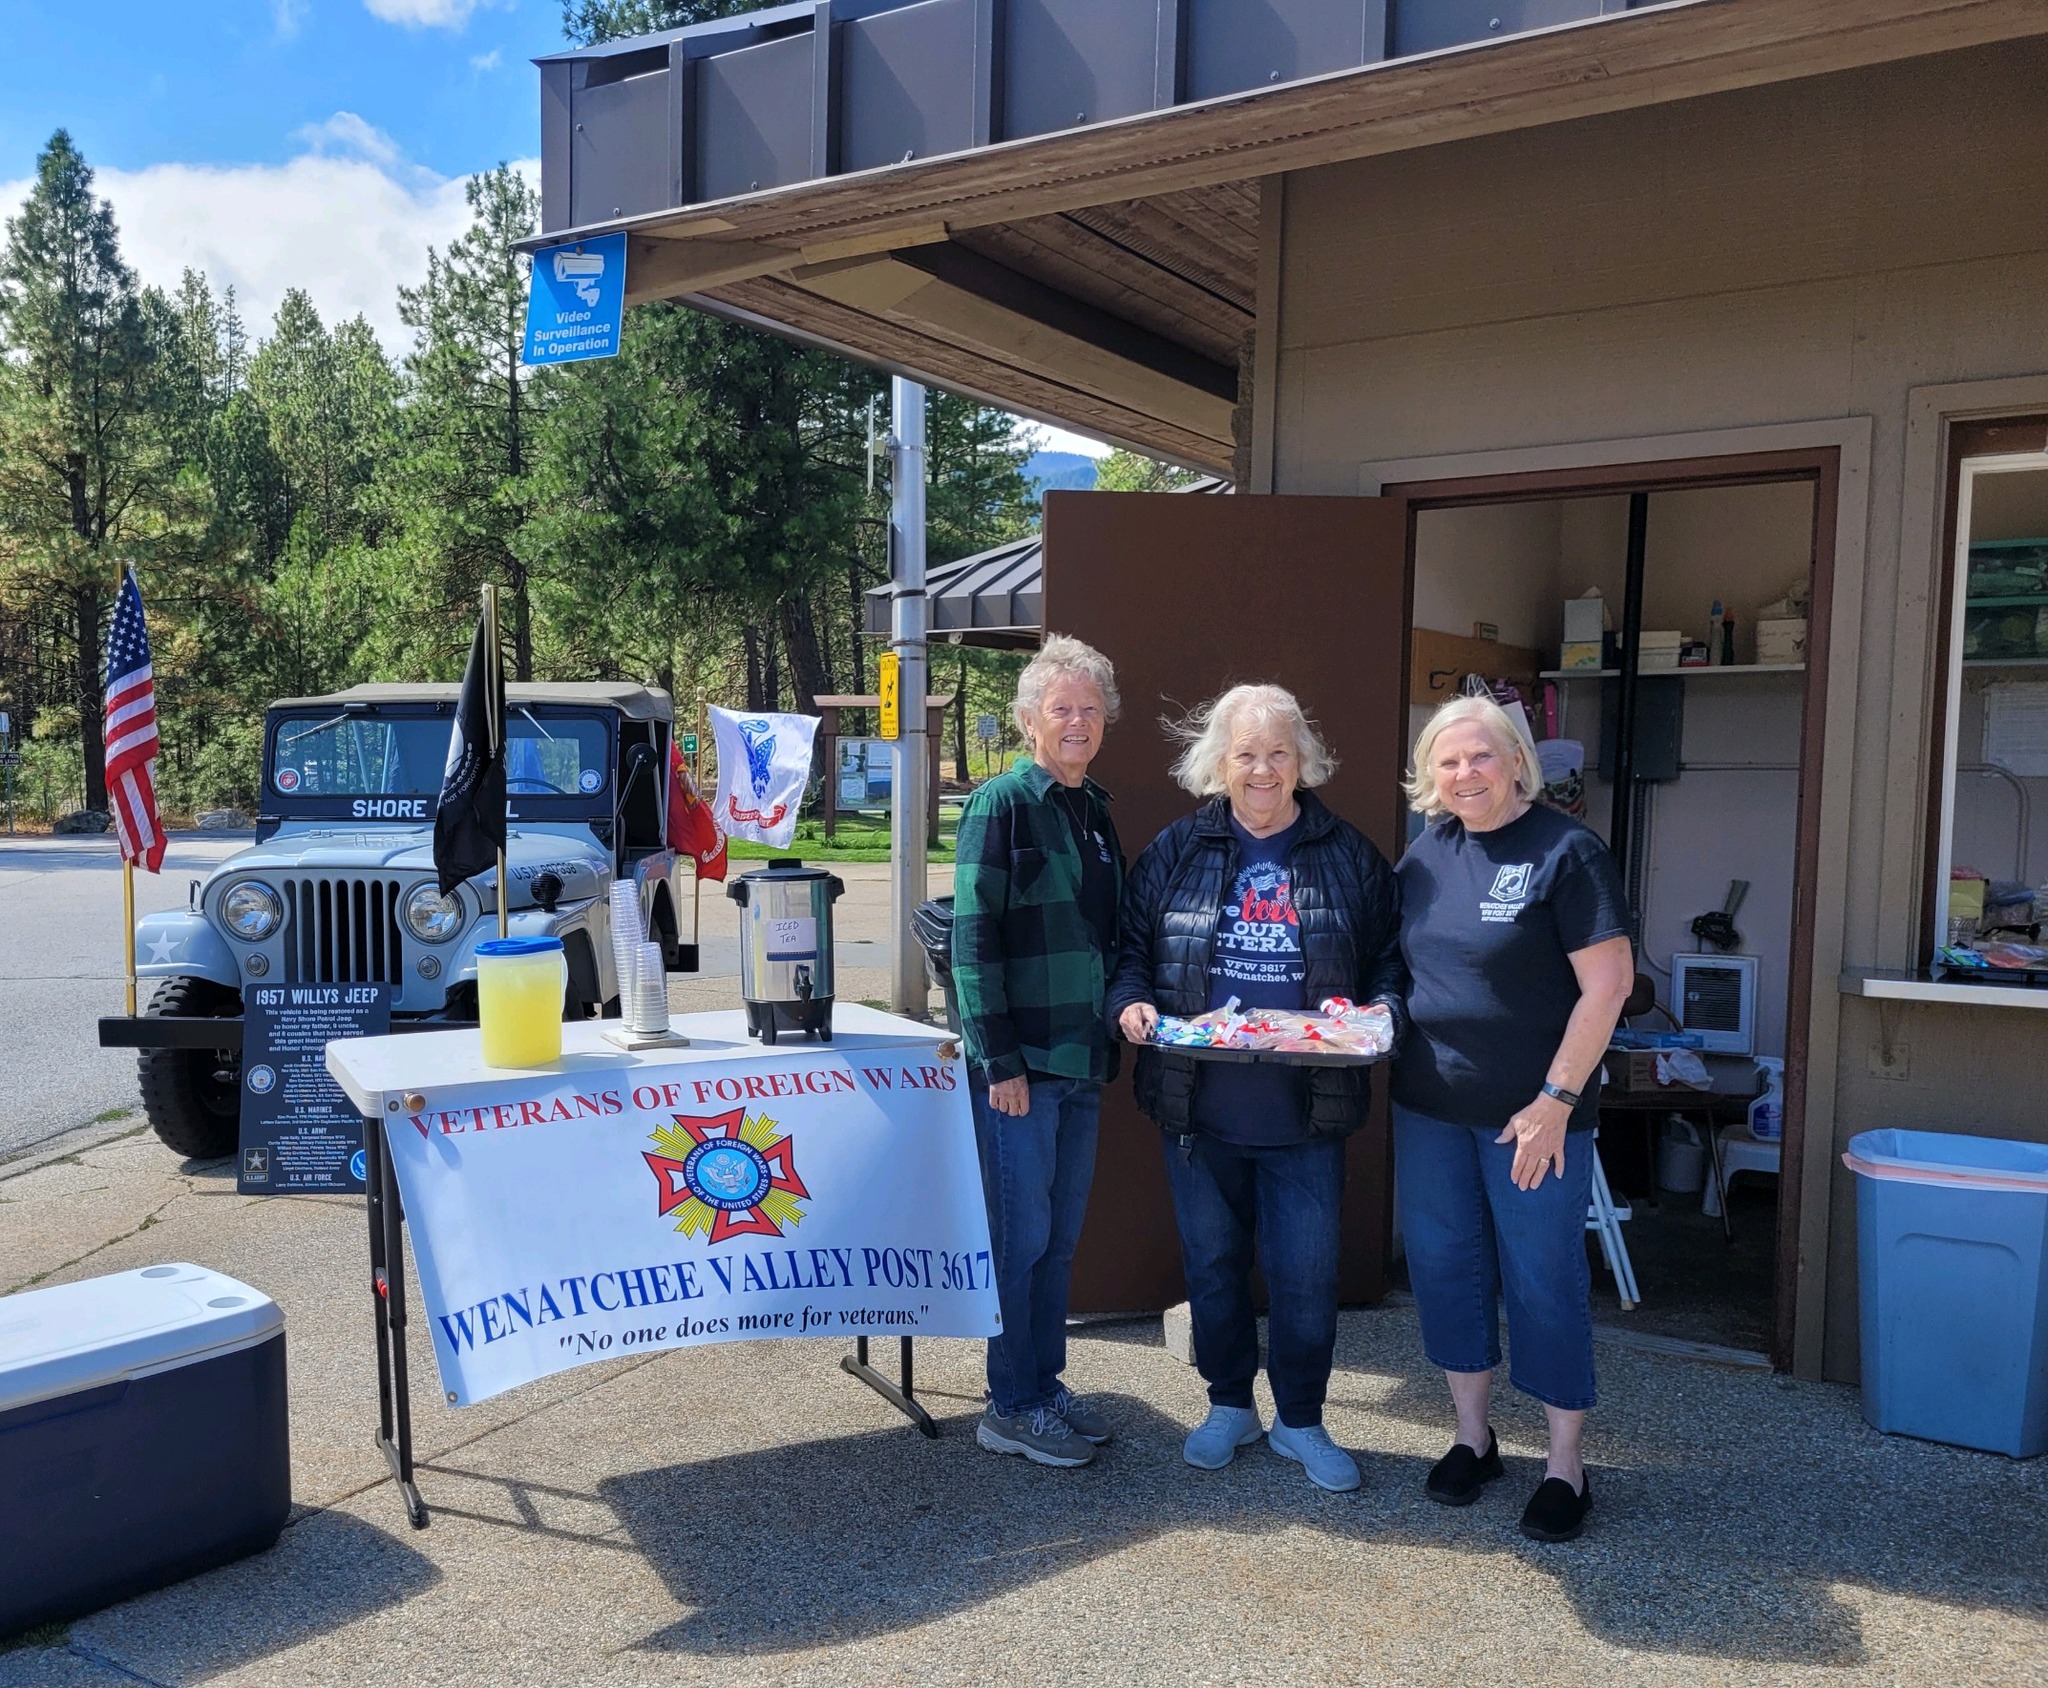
1264 895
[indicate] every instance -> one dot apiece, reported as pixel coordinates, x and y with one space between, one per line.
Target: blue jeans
1035 1172
1472 1235
1229 1197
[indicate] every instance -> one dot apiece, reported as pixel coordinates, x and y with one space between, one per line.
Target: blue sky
236 81
320 144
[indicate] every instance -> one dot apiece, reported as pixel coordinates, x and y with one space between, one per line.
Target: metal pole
909 990
1619 839
495 710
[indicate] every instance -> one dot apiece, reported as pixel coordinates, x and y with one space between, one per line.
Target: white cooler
142 1436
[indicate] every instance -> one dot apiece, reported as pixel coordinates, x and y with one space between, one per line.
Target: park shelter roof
994 598
1057 205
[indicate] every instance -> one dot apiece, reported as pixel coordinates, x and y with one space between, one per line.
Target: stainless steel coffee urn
786 948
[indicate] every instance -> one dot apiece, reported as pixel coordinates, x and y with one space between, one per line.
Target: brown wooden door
1188 594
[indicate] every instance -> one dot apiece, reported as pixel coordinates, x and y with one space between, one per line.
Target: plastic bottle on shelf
1767 1112
1714 657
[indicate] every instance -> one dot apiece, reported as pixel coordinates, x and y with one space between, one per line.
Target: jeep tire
190 1105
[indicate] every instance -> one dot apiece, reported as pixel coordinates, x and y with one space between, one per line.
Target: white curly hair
1210 730
1061 657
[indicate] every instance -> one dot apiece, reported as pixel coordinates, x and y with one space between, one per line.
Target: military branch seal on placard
728 1175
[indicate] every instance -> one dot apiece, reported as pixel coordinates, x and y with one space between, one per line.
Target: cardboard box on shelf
1781 640
1660 650
1580 657
1585 619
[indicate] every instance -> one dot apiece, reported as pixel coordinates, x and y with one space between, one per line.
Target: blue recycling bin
1952 1240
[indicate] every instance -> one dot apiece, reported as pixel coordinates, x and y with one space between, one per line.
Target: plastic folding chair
1605 1219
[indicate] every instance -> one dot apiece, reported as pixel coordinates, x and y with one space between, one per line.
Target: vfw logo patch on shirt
1510 891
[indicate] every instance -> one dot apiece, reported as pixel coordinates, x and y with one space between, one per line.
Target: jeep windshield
355 754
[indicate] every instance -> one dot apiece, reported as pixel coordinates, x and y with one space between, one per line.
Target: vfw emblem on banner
727 1176
764 763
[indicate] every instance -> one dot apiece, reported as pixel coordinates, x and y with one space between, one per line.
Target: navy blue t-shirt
1258 960
1489 923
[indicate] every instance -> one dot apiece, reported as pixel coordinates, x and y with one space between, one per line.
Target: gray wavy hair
1062 657
1210 730
1506 732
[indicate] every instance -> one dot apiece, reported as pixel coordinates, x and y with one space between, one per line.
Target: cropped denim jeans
1283 1202
1473 1237
1036 1169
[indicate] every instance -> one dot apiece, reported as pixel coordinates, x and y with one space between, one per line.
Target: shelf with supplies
2005 662
1687 673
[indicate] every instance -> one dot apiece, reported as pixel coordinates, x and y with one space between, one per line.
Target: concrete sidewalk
749 1514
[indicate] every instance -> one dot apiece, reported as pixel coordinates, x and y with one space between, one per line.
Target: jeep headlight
431 917
251 912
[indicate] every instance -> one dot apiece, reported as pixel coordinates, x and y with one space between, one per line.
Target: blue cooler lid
74 1337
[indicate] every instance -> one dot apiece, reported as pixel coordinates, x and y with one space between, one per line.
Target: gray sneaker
1213 1443
1040 1435
1084 1420
1328 1466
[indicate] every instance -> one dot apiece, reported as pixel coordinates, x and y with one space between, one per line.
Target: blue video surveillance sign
578 301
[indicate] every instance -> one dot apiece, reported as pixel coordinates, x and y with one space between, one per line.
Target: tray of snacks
1340 1034
2002 962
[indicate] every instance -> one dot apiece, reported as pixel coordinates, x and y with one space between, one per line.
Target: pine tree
89 422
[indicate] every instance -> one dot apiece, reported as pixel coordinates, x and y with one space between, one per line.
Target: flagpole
494 712
127 867
697 867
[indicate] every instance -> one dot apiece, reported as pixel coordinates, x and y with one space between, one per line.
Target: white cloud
286 16
1059 439
487 61
423 14
348 221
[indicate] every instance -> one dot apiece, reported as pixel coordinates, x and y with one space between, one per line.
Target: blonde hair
1061 657
1209 731
1507 732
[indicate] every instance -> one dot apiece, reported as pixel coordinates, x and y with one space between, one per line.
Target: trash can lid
1941 1157
73 1337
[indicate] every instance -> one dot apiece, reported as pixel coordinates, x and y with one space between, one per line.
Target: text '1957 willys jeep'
339 887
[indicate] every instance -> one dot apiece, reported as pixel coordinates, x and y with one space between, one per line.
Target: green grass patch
855 840
43 1635
111 1115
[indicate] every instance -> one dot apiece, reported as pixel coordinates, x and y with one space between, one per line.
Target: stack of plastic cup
627 934
649 1013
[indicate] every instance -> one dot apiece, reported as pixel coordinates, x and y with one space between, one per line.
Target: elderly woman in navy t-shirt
1515 927
1264 895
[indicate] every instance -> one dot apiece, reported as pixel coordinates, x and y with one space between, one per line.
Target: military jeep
339 887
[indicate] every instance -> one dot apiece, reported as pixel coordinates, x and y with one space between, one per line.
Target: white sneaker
1213 1443
1328 1466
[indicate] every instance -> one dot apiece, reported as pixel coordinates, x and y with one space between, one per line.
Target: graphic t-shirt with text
1257 959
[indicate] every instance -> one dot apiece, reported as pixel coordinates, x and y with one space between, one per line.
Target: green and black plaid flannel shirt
1026 968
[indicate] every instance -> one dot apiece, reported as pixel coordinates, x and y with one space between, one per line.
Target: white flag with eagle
764 762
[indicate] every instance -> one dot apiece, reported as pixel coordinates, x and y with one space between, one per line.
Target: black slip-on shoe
1557 1512
1457 1478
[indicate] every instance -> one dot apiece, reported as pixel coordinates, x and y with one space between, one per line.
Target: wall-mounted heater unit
1715 995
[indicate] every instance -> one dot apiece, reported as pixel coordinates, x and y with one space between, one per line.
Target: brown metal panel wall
1187 596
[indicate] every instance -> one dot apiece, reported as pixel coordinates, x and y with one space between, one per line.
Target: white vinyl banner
559 1218
764 763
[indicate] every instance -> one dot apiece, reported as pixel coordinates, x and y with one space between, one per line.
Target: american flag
131 732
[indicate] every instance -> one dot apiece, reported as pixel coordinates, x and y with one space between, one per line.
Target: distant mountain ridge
1059 471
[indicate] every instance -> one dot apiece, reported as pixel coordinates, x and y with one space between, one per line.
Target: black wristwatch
1570 1098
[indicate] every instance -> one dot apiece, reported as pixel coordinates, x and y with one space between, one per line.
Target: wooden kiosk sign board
830 732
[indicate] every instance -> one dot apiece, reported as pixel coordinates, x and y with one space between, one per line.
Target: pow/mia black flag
469 819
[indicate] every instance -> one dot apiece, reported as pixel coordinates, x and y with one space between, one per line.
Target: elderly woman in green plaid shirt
1035 898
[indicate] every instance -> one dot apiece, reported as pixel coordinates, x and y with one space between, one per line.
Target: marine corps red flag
469 819
691 825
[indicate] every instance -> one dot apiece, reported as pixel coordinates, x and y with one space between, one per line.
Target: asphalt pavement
61 969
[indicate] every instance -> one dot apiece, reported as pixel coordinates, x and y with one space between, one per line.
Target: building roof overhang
1104 277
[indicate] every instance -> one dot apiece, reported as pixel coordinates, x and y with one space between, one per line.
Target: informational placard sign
561 1218
889 688
576 303
862 777
300 1134
987 727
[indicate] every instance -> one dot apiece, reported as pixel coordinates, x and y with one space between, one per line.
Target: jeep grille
343 931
